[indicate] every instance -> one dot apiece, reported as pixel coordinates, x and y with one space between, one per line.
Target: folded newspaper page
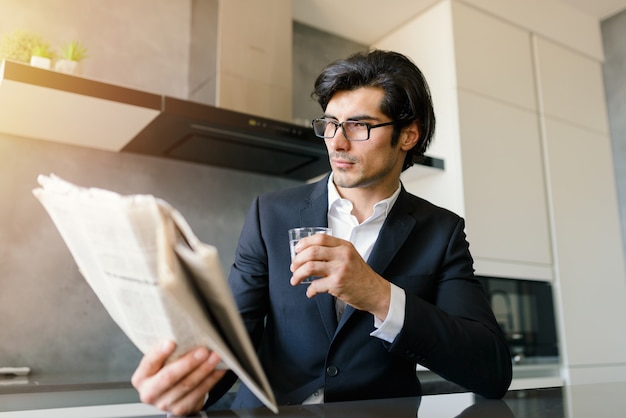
154 277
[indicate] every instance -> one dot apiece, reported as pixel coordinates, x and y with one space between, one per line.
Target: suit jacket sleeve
450 328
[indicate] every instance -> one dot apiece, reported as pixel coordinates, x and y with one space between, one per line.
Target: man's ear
410 136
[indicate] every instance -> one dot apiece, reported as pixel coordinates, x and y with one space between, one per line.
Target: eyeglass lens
353 130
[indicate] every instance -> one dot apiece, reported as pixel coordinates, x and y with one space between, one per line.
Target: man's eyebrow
356 118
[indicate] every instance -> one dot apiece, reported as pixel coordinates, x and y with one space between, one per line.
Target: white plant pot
66 66
40 62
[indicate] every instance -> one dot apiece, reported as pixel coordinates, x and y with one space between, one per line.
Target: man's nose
339 141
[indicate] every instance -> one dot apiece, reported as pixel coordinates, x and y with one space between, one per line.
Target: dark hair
407 97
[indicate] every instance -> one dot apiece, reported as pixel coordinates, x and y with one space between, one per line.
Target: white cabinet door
503 181
505 197
571 86
493 58
591 282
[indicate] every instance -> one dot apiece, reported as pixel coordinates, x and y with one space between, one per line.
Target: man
396 284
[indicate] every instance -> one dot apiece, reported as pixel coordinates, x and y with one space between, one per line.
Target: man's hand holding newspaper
155 278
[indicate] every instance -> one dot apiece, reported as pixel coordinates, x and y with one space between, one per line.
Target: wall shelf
48 105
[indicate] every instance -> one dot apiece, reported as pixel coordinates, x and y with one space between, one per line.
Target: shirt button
332 371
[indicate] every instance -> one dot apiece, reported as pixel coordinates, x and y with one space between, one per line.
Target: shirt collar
381 208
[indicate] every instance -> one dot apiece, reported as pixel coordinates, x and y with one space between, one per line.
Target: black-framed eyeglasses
353 130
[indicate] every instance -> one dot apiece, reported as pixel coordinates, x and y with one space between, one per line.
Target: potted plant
18 45
71 54
41 56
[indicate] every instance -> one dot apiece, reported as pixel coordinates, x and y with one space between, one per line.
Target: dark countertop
605 400
59 382
58 390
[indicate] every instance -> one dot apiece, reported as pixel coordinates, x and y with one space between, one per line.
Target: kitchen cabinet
493 57
572 87
505 199
522 125
489 124
504 188
588 245
592 286
528 163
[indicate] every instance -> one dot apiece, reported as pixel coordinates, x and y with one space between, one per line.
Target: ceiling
601 9
370 20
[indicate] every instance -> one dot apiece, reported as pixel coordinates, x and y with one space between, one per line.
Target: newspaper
155 278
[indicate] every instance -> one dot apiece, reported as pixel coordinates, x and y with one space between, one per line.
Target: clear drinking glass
296 234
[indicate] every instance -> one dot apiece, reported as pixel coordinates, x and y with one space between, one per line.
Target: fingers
316 240
342 273
312 255
189 394
179 386
152 362
175 379
317 269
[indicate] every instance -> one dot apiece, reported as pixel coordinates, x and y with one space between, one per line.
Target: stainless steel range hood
206 134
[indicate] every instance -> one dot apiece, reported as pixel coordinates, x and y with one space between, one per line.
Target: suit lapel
393 234
314 212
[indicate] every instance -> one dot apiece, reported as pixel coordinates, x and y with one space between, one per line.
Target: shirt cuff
389 329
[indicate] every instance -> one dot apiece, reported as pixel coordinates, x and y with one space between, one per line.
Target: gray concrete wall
613 36
312 51
50 319
142 44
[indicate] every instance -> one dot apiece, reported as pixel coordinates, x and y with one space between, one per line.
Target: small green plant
74 51
42 50
18 45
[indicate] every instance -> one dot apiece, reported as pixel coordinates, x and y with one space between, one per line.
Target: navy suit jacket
449 326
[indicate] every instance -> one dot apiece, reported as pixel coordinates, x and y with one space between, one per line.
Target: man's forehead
363 102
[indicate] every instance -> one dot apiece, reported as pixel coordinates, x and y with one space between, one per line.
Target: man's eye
359 125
